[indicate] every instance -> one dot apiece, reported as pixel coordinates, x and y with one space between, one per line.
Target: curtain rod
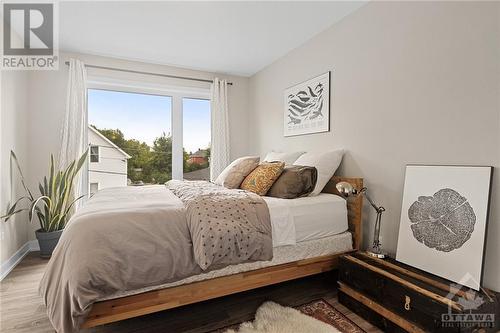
149 73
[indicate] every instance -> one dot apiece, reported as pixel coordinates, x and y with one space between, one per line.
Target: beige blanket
132 237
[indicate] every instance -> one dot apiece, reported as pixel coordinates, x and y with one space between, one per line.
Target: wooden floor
22 310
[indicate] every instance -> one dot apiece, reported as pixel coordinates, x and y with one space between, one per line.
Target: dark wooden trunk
394 296
371 316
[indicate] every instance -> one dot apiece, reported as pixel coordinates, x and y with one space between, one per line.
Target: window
94 154
196 138
147 135
94 187
133 133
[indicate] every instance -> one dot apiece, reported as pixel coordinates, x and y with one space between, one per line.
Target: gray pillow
234 173
295 181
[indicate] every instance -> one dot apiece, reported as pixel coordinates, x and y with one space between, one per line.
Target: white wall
48 95
13 136
412 82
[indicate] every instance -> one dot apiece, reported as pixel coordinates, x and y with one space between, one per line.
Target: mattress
281 255
308 218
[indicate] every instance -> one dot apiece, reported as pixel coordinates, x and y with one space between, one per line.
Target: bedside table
398 298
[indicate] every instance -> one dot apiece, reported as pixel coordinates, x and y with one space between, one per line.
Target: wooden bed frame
109 311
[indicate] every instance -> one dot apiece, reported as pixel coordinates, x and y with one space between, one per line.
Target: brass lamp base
376 254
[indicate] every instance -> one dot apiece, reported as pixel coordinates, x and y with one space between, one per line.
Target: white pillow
232 176
288 158
326 164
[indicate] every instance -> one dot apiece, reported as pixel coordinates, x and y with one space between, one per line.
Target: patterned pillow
263 177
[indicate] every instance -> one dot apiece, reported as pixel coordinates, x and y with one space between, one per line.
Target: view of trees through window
134 135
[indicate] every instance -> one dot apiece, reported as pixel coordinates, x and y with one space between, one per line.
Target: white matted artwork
443 221
307 107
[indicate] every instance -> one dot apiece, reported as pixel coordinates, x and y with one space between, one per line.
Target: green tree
140 160
185 158
114 135
162 159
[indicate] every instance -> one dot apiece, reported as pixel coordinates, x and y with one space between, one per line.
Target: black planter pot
47 241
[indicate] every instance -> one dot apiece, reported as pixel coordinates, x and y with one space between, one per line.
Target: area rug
317 317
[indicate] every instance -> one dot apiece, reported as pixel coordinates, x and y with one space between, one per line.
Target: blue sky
196 124
145 117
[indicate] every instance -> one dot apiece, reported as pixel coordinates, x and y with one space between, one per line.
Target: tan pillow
234 173
295 181
263 177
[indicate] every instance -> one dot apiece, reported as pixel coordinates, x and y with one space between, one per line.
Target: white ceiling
237 38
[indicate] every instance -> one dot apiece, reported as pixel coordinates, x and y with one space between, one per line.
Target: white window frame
177 93
98 153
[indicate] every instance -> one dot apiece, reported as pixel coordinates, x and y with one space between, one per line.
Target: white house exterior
108 163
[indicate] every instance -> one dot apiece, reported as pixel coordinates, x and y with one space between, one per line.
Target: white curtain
219 154
74 139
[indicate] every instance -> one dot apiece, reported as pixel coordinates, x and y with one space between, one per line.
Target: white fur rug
274 318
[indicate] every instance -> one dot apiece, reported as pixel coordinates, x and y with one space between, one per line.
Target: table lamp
347 190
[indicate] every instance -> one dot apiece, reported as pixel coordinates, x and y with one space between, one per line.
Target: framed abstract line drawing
307 107
443 221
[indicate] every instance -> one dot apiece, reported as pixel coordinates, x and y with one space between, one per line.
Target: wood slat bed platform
109 311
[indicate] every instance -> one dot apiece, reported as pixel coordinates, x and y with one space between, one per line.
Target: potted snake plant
53 206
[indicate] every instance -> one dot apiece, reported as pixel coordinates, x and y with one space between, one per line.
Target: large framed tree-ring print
443 221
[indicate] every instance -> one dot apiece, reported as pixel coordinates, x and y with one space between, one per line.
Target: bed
304 243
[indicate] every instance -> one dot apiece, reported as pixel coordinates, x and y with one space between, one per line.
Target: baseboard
34 246
16 258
